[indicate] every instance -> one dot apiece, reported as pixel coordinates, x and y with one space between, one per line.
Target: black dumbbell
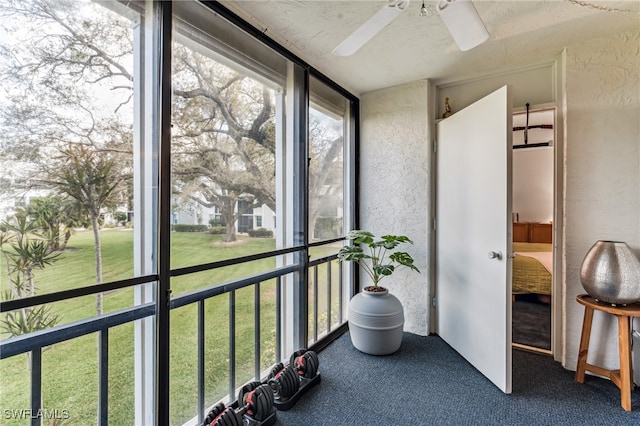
305 363
255 400
222 416
283 381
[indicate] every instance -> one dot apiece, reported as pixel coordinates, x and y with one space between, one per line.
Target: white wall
395 158
534 85
533 167
602 169
533 184
602 199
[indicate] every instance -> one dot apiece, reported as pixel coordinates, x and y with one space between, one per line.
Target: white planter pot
376 321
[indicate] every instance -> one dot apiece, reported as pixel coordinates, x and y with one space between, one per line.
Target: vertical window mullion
163 66
300 98
146 146
353 175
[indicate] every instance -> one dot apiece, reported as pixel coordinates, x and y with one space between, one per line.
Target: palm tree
25 250
54 216
91 178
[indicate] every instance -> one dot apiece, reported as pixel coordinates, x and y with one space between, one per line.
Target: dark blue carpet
531 322
428 383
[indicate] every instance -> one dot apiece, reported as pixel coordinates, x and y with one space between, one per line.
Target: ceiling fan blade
373 26
463 22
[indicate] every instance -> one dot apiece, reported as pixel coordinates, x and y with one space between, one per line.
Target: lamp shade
610 272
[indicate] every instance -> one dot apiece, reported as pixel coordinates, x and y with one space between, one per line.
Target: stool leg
584 344
624 337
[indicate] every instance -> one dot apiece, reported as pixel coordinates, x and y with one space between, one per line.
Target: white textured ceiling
413 47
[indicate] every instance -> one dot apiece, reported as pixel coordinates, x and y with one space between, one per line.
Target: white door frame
559 274
556 283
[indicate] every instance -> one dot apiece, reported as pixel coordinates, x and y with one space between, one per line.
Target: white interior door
473 236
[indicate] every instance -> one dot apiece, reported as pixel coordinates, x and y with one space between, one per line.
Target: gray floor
531 322
428 383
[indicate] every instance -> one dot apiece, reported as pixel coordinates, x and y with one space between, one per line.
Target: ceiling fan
459 16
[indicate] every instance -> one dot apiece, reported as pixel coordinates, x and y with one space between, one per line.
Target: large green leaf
390 242
386 244
351 254
360 237
404 259
383 269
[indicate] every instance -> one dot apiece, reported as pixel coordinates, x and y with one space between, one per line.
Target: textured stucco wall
395 158
602 171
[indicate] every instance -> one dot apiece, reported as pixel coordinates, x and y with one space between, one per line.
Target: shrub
260 233
217 230
181 227
216 223
120 217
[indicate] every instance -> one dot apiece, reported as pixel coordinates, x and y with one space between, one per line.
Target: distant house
195 214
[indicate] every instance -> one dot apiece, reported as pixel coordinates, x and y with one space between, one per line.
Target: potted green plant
376 317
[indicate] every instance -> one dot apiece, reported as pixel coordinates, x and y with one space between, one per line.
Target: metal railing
200 296
34 343
329 311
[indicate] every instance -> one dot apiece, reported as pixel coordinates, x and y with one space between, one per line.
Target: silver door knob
495 255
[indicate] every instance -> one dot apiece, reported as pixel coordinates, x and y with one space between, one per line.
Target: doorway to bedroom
533 212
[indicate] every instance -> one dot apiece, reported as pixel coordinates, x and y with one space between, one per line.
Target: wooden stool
622 378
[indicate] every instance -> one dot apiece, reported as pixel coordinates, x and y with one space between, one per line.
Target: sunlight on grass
70 370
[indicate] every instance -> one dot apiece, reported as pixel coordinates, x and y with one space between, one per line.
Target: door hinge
435 145
435 224
433 302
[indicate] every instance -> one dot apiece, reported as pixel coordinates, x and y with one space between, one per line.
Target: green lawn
70 368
